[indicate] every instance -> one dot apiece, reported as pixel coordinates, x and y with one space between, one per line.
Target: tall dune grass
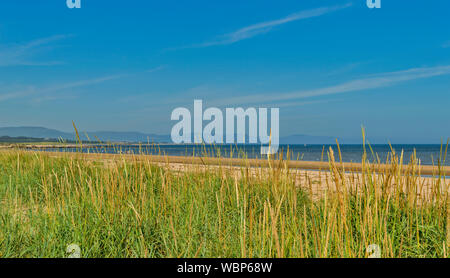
130 208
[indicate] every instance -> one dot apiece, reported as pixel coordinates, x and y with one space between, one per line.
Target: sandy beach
315 177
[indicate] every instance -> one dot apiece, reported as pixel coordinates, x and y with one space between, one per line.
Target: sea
423 154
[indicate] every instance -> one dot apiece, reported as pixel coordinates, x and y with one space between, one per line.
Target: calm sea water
427 154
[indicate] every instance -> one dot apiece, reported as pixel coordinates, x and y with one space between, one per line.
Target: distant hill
34 132
43 134
8 139
115 136
46 133
307 139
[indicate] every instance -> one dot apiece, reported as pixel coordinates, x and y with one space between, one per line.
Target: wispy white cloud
82 83
16 94
159 68
267 26
23 54
58 91
302 103
344 69
358 85
48 93
47 98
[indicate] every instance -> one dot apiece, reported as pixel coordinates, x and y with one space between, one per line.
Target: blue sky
330 66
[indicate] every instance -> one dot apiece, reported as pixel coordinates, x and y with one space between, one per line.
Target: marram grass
127 208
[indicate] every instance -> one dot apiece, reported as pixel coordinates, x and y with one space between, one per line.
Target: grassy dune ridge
136 208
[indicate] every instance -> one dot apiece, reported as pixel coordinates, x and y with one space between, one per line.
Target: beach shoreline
315 177
423 170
